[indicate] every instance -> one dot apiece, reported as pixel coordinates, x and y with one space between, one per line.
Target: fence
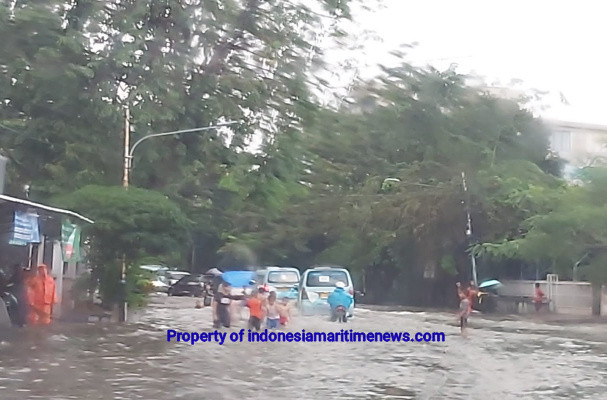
566 297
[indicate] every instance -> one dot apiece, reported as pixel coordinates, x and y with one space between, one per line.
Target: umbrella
491 283
214 271
238 278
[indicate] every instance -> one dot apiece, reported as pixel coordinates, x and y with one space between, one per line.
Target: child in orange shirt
255 305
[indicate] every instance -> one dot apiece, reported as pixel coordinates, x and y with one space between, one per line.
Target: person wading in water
464 308
272 312
221 306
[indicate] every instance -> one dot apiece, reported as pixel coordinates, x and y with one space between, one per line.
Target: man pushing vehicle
339 301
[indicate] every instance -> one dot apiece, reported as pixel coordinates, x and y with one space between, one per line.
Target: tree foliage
134 222
569 234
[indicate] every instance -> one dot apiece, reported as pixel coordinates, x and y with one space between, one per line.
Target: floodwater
505 360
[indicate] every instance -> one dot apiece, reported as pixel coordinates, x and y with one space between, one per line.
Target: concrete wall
567 298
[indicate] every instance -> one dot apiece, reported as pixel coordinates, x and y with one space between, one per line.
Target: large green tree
70 67
384 185
54 127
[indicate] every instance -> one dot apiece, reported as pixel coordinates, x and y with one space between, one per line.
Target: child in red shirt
539 297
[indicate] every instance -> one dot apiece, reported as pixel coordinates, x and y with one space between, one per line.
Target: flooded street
506 360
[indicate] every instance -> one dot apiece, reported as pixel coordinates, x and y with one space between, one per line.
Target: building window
560 141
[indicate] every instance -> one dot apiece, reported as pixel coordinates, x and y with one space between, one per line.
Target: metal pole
125 173
122 311
469 228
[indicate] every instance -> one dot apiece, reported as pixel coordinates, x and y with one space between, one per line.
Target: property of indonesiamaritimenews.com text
341 336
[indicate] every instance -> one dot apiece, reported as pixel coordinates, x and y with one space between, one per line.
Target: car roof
153 268
281 269
328 266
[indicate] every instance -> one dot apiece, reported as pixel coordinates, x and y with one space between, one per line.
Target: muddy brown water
499 360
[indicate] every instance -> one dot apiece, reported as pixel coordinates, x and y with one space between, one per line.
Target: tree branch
245 22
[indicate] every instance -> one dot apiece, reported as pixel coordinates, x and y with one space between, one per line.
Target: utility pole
469 227
122 306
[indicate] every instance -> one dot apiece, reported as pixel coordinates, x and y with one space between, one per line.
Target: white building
580 144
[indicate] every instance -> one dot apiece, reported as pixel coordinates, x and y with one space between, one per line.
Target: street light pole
128 156
127 138
122 309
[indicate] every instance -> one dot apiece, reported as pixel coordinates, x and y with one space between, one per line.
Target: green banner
70 241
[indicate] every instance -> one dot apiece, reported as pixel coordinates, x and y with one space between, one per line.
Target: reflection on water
505 360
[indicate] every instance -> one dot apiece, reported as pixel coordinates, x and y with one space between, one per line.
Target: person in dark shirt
221 305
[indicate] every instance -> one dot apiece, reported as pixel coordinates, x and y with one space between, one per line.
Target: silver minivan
283 279
317 283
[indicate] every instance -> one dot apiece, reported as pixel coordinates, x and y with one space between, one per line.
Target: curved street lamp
128 153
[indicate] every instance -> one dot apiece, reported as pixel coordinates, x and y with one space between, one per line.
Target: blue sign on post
26 229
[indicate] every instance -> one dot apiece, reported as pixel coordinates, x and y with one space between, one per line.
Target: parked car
189 285
317 283
155 274
160 283
174 276
285 280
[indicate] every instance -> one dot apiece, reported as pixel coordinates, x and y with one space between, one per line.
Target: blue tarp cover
238 278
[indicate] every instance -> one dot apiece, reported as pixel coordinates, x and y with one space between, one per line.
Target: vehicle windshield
326 278
283 277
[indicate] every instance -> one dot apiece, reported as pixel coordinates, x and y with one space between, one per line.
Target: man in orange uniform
31 284
45 295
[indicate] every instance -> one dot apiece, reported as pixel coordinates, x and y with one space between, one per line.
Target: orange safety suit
41 296
30 295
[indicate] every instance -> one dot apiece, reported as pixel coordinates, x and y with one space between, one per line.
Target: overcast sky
556 46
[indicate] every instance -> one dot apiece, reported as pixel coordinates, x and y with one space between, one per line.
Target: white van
283 279
317 283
